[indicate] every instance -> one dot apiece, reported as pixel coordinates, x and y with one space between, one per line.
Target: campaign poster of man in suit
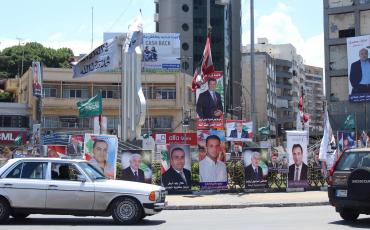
358 68
209 103
298 169
74 147
255 170
136 166
178 176
238 130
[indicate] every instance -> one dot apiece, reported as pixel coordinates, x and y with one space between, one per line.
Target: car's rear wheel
126 211
19 216
349 214
4 210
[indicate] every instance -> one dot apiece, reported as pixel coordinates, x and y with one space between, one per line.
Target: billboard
36 79
161 52
136 165
238 130
210 102
297 151
101 150
255 167
177 174
358 68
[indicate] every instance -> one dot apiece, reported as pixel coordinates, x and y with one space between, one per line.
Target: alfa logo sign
9 137
179 138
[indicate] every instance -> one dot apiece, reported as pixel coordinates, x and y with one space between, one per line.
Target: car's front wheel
126 211
349 214
19 216
4 210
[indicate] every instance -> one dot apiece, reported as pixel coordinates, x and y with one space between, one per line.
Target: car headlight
155 196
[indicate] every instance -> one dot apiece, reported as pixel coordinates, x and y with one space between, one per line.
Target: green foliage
5 96
118 170
11 58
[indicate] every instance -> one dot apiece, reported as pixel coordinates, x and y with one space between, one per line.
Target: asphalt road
297 218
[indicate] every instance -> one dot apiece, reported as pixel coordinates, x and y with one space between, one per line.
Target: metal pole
253 78
208 13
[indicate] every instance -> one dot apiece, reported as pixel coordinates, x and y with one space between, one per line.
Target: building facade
289 70
265 93
165 94
314 101
343 19
189 18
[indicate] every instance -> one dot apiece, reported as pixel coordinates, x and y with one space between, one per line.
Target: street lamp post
243 93
185 121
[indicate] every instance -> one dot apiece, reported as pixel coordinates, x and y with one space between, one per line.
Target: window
14 121
75 93
365 22
185 8
165 93
50 91
62 171
110 93
15 172
341 25
112 122
34 170
340 3
185 27
164 122
51 122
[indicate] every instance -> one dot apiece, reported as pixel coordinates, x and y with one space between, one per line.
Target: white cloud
279 28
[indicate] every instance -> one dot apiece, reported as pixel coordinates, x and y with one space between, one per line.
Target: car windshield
92 171
353 160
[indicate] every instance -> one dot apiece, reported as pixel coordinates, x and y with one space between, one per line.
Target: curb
239 206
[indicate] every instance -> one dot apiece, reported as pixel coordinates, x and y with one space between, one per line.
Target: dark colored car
349 184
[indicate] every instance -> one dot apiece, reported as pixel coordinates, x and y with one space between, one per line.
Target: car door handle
8 184
53 186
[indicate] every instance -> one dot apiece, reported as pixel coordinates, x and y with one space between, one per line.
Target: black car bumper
341 202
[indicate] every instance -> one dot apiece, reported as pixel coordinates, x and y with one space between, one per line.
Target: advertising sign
297 150
358 68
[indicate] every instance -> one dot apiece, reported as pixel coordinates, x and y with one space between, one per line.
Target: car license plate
341 193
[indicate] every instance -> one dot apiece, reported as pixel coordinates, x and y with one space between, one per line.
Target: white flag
135 34
326 138
105 57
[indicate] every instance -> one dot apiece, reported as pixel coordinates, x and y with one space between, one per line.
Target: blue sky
67 23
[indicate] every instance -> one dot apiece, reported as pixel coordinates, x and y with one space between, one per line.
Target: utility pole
253 73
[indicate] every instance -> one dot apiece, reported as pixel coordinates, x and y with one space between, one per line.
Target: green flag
264 130
18 139
91 107
349 123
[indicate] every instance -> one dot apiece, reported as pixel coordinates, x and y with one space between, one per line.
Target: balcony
71 103
281 74
284 86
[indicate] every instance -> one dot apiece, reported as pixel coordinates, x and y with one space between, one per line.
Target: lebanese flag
207 64
300 104
194 84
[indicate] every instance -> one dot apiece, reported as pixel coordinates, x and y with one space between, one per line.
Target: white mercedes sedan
73 187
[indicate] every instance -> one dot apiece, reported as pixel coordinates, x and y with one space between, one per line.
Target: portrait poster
210 102
212 158
255 167
75 147
346 140
239 130
56 151
177 176
358 78
101 151
297 151
36 79
137 165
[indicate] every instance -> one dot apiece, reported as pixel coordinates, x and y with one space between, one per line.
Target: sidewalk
246 200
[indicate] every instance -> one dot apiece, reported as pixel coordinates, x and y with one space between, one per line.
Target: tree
11 58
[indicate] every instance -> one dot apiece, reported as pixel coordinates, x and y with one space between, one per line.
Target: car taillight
332 170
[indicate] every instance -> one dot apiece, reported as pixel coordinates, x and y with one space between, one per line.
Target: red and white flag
207 63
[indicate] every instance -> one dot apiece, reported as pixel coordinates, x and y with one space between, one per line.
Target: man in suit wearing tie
177 177
238 132
253 172
237 153
209 104
298 170
73 148
360 73
133 172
